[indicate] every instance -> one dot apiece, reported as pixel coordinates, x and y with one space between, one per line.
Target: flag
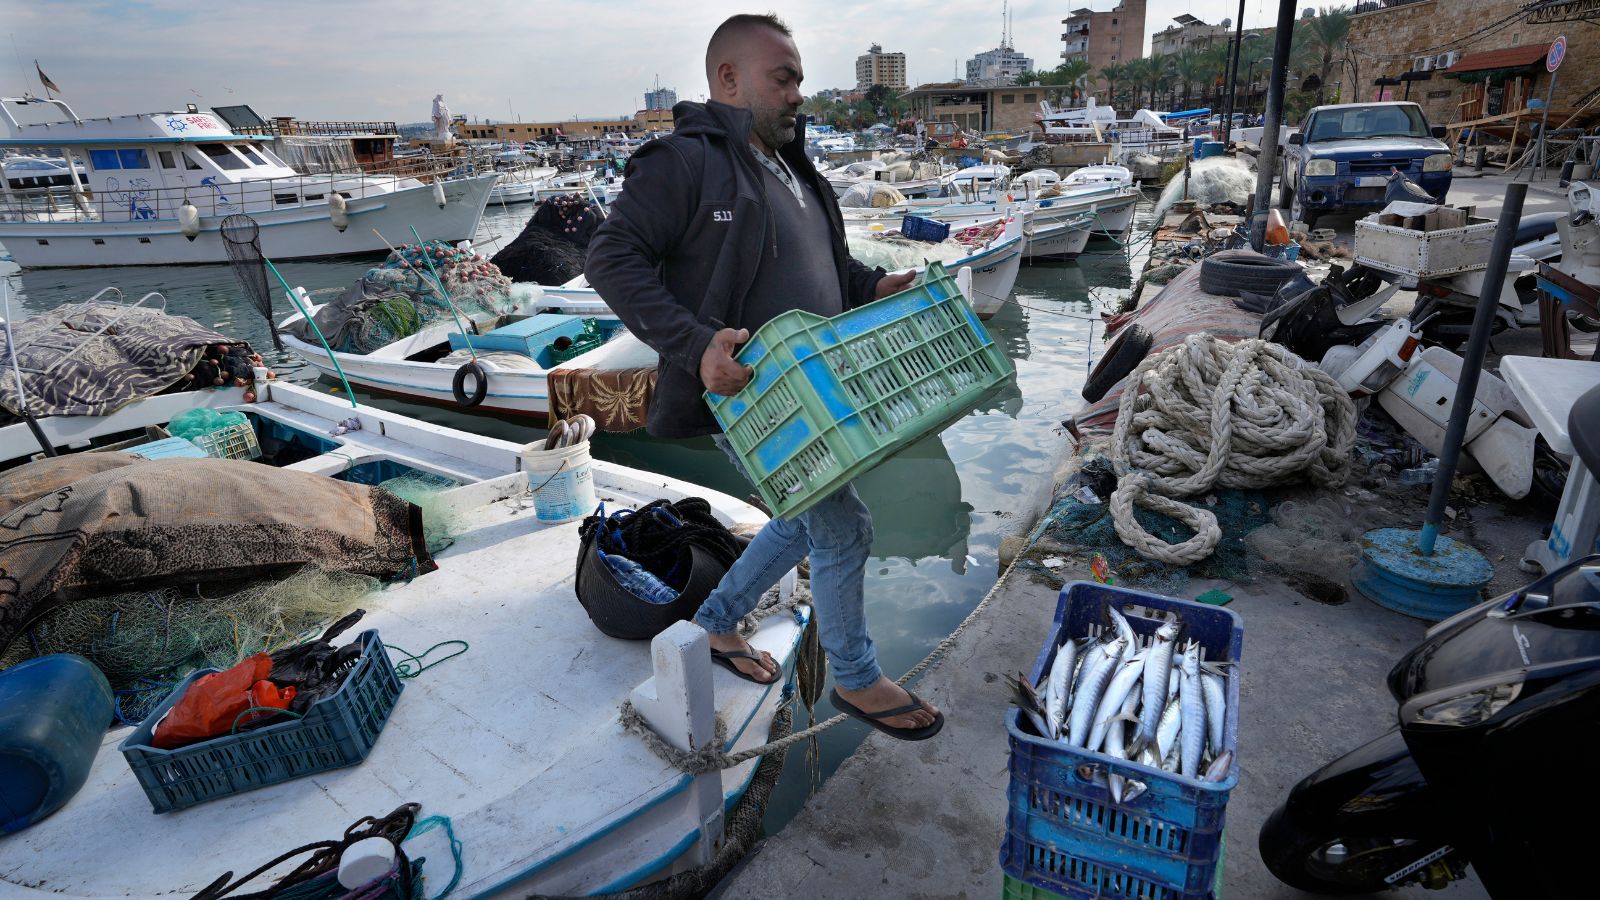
45 79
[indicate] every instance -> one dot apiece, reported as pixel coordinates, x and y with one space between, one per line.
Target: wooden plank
1491 119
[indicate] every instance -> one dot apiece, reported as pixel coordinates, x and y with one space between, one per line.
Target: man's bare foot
763 672
885 694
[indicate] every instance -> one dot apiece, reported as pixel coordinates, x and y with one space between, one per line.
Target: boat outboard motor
1499 717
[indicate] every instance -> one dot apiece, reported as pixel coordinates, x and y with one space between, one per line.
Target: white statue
441 121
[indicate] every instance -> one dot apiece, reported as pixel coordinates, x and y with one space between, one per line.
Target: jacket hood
722 120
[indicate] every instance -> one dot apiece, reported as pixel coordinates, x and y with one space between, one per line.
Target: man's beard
769 126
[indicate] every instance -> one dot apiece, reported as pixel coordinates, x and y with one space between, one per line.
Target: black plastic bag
316 669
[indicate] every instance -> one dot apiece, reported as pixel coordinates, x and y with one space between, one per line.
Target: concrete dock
927 819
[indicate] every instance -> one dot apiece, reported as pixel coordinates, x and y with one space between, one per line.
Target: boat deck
517 740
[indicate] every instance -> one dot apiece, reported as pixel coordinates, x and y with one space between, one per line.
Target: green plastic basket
589 339
831 398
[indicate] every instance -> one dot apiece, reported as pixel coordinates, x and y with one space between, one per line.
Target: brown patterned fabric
616 399
155 523
118 354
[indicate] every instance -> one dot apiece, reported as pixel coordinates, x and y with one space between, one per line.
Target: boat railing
296 128
132 203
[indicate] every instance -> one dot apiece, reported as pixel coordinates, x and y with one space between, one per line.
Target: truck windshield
1368 121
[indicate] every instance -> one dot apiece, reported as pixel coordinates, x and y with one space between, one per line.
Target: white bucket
562 485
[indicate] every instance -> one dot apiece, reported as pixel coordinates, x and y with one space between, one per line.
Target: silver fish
1097 672
1124 630
1219 767
1167 729
1114 741
1057 685
1119 690
1216 711
1157 665
1173 677
1192 733
1133 789
1025 699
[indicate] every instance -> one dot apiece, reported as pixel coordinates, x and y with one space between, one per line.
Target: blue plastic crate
337 731
1063 833
919 229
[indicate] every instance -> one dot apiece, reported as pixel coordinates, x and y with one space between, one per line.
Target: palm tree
1214 67
1190 68
1113 73
1328 33
1072 72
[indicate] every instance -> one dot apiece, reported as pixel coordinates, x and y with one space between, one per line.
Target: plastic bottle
1423 474
1277 231
54 711
638 581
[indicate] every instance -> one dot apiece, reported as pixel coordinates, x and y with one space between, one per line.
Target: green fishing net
146 641
193 423
440 522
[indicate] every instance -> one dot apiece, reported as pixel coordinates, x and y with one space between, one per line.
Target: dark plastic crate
1063 833
337 731
920 229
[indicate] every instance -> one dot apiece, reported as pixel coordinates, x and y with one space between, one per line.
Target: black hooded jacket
677 254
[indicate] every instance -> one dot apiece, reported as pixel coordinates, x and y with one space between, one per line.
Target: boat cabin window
223 157
190 165
250 154
167 162
104 160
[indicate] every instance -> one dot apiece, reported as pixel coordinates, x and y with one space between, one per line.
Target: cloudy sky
354 59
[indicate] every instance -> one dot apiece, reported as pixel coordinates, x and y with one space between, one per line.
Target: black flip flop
874 719
725 658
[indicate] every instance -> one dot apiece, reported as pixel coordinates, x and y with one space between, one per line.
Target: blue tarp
1186 114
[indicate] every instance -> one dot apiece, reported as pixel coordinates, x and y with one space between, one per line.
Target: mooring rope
712 757
1207 413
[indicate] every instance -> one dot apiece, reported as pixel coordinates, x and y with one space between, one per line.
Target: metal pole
1544 120
1472 363
1278 77
1233 75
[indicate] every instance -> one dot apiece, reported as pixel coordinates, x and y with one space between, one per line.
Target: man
724 224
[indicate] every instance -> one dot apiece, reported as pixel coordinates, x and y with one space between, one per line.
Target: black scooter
1491 763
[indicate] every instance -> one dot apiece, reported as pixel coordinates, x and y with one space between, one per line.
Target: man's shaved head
726 42
752 62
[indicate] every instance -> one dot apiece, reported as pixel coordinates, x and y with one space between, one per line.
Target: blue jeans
837 534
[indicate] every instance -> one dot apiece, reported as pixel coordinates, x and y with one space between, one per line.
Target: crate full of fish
1124 747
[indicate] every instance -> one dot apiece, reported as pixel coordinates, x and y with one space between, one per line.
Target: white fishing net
1219 179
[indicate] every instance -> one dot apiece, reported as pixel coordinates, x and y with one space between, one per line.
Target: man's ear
728 78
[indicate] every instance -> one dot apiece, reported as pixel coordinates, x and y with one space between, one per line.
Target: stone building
1003 63
978 107
1466 60
876 67
1189 34
1114 36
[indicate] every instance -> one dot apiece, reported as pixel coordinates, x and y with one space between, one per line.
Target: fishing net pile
1208 182
871 195
152 567
551 247
894 251
402 296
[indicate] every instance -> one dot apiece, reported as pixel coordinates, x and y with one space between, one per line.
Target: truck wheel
1299 213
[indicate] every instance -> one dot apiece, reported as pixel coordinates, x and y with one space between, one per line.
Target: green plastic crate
587 340
833 397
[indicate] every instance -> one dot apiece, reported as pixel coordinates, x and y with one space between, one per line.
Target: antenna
1005 8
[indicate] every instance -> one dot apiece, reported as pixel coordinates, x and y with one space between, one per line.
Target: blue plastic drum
54 711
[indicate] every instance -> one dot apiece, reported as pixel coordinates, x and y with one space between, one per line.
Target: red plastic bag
215 704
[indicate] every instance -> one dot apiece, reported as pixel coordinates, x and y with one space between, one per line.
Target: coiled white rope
1208 413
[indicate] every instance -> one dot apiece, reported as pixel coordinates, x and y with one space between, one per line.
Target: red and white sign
1556 53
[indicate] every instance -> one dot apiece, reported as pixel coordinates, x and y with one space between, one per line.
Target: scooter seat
1583 429
1533 227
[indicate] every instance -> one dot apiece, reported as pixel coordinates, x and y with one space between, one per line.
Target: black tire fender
1122 357
1227 276
480 386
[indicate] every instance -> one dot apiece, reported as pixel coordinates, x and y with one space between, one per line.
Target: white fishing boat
910 179
1146 133
518 741
986 273
505 365
156 186
1107 174
519 184
1110 206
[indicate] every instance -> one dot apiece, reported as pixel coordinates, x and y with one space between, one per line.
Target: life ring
480 386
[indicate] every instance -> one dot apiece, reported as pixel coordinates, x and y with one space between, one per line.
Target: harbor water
940 509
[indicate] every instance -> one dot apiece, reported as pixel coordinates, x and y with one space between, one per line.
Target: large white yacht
155 188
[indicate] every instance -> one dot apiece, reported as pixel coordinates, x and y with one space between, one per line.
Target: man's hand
893 284
718 370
